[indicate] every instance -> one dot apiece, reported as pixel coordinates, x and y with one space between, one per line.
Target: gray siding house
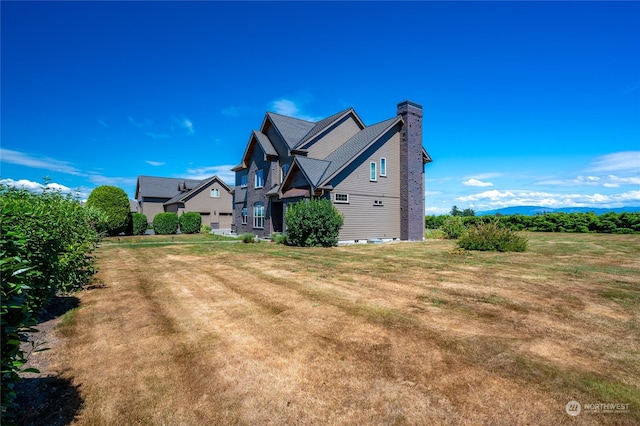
374 174
210 197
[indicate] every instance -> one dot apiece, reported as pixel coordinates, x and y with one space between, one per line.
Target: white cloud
291 109
184 123
155 163
103 124
140 124
233 111
46 163
616 162
108 180
476 182
223 172
38 187
496 199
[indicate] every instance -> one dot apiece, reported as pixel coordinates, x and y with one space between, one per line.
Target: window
215 193
373 173
259 181
383 167
258 215
341 198
243 181
244 215
283 172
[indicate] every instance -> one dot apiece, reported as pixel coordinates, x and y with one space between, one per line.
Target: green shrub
492 237
313 223
248 238
46 245
165 223
190 222
140 223
278 238
453 227
205 229
114 203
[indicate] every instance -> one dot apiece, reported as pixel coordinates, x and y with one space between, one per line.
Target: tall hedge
139 223
190 222
313 223
46 245
114 203
165 223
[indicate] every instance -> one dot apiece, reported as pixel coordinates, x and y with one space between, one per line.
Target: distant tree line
612 223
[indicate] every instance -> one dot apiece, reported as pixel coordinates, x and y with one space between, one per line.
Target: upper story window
283 172
383 166
259 180
243 181
373 172
215 193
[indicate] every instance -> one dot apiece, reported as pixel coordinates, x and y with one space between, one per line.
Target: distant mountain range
533 210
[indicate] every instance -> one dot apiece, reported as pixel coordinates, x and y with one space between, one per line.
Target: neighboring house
374 174
210 197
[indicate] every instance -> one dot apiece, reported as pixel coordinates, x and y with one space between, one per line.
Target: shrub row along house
211 197
373 174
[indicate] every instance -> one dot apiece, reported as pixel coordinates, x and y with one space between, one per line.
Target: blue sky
525 103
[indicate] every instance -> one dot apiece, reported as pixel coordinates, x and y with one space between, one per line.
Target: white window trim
243 178
283 172
383 170
256 217
215 193
335 199
255 179
373 167
244 214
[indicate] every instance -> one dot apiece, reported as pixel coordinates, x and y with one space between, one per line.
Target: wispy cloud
184 123
476 182
155 163
223 172
111 180
103 124
157 135
617 162
45 163
292 108
140 124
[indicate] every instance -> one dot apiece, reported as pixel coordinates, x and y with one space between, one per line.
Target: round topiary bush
140 223
114 203
165 223
190 222
313 223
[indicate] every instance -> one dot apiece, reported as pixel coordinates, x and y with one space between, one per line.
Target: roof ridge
322 124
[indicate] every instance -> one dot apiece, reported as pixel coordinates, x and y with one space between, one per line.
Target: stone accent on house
411 173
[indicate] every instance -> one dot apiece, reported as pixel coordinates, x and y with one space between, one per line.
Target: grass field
404 333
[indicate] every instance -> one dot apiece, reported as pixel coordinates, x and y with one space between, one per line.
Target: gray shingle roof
348 151
291 129
162 187
313 169
265 143
185 195
321 125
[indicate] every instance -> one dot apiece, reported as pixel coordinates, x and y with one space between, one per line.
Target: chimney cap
409 103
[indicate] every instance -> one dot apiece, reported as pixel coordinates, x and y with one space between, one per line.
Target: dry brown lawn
404 333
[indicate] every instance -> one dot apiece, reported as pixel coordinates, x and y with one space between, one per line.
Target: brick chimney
411 172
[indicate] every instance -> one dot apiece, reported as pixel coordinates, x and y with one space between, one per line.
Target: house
210 197
374 175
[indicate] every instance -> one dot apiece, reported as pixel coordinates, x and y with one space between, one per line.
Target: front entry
277 217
